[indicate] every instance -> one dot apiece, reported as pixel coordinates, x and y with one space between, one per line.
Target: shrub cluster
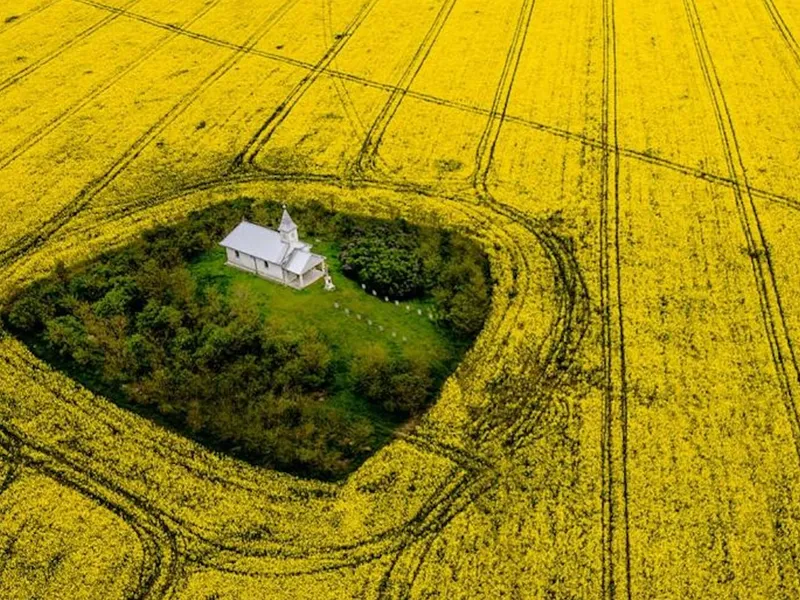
134 325
403 261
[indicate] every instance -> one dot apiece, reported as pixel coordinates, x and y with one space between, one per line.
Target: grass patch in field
309 381
347 334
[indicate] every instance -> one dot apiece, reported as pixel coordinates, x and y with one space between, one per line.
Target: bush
409 388
29 312
115 302
385 262
398 386
66 337
370 371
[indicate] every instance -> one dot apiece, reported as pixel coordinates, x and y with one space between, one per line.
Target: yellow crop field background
625 427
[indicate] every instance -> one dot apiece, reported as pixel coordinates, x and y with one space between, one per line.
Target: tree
67 337
397 385
29 312
158 321
313 362
115 302
410 387
370 371
385 259
468 308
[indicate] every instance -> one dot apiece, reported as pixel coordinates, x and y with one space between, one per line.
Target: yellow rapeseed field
627 424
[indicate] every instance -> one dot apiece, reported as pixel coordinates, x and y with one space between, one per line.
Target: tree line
134 325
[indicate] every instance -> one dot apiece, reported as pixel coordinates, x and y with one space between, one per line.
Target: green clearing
307 381
314 307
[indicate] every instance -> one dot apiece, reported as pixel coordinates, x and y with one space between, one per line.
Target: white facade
279 256
251 263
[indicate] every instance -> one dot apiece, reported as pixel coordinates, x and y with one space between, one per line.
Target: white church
275 255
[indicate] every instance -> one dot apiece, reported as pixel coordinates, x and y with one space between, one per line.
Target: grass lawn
346 333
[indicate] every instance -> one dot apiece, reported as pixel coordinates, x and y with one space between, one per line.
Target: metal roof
257 241
301 261
266 244
286 222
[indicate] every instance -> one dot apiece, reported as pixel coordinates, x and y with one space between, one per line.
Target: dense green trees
400 261
385 258
134 325
397 385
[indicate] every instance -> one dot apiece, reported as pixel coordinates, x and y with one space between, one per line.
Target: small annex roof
259 242
287 224
302 261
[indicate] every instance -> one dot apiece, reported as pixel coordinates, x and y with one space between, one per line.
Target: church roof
257 241
301 261
286 222
266 244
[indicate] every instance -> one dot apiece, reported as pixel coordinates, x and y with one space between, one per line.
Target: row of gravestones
370 322
397 303
336 305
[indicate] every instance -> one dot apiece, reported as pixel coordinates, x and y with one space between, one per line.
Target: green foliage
398 386
29 313
386 260
67 337
462 291
136 325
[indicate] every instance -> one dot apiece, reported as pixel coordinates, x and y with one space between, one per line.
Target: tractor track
161 567
28 242
771 305
786 34
53 124
339 86
39 63
366 160
615 397
630 153
484 153
18 21
268 128
569 327
484 157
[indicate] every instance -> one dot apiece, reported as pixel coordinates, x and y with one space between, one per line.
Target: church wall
243 260
274 270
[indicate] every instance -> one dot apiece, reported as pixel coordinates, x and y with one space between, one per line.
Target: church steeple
287 229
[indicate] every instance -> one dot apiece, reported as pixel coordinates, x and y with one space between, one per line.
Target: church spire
287 225
287 228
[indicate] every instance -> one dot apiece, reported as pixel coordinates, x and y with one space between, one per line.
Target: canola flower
626 424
